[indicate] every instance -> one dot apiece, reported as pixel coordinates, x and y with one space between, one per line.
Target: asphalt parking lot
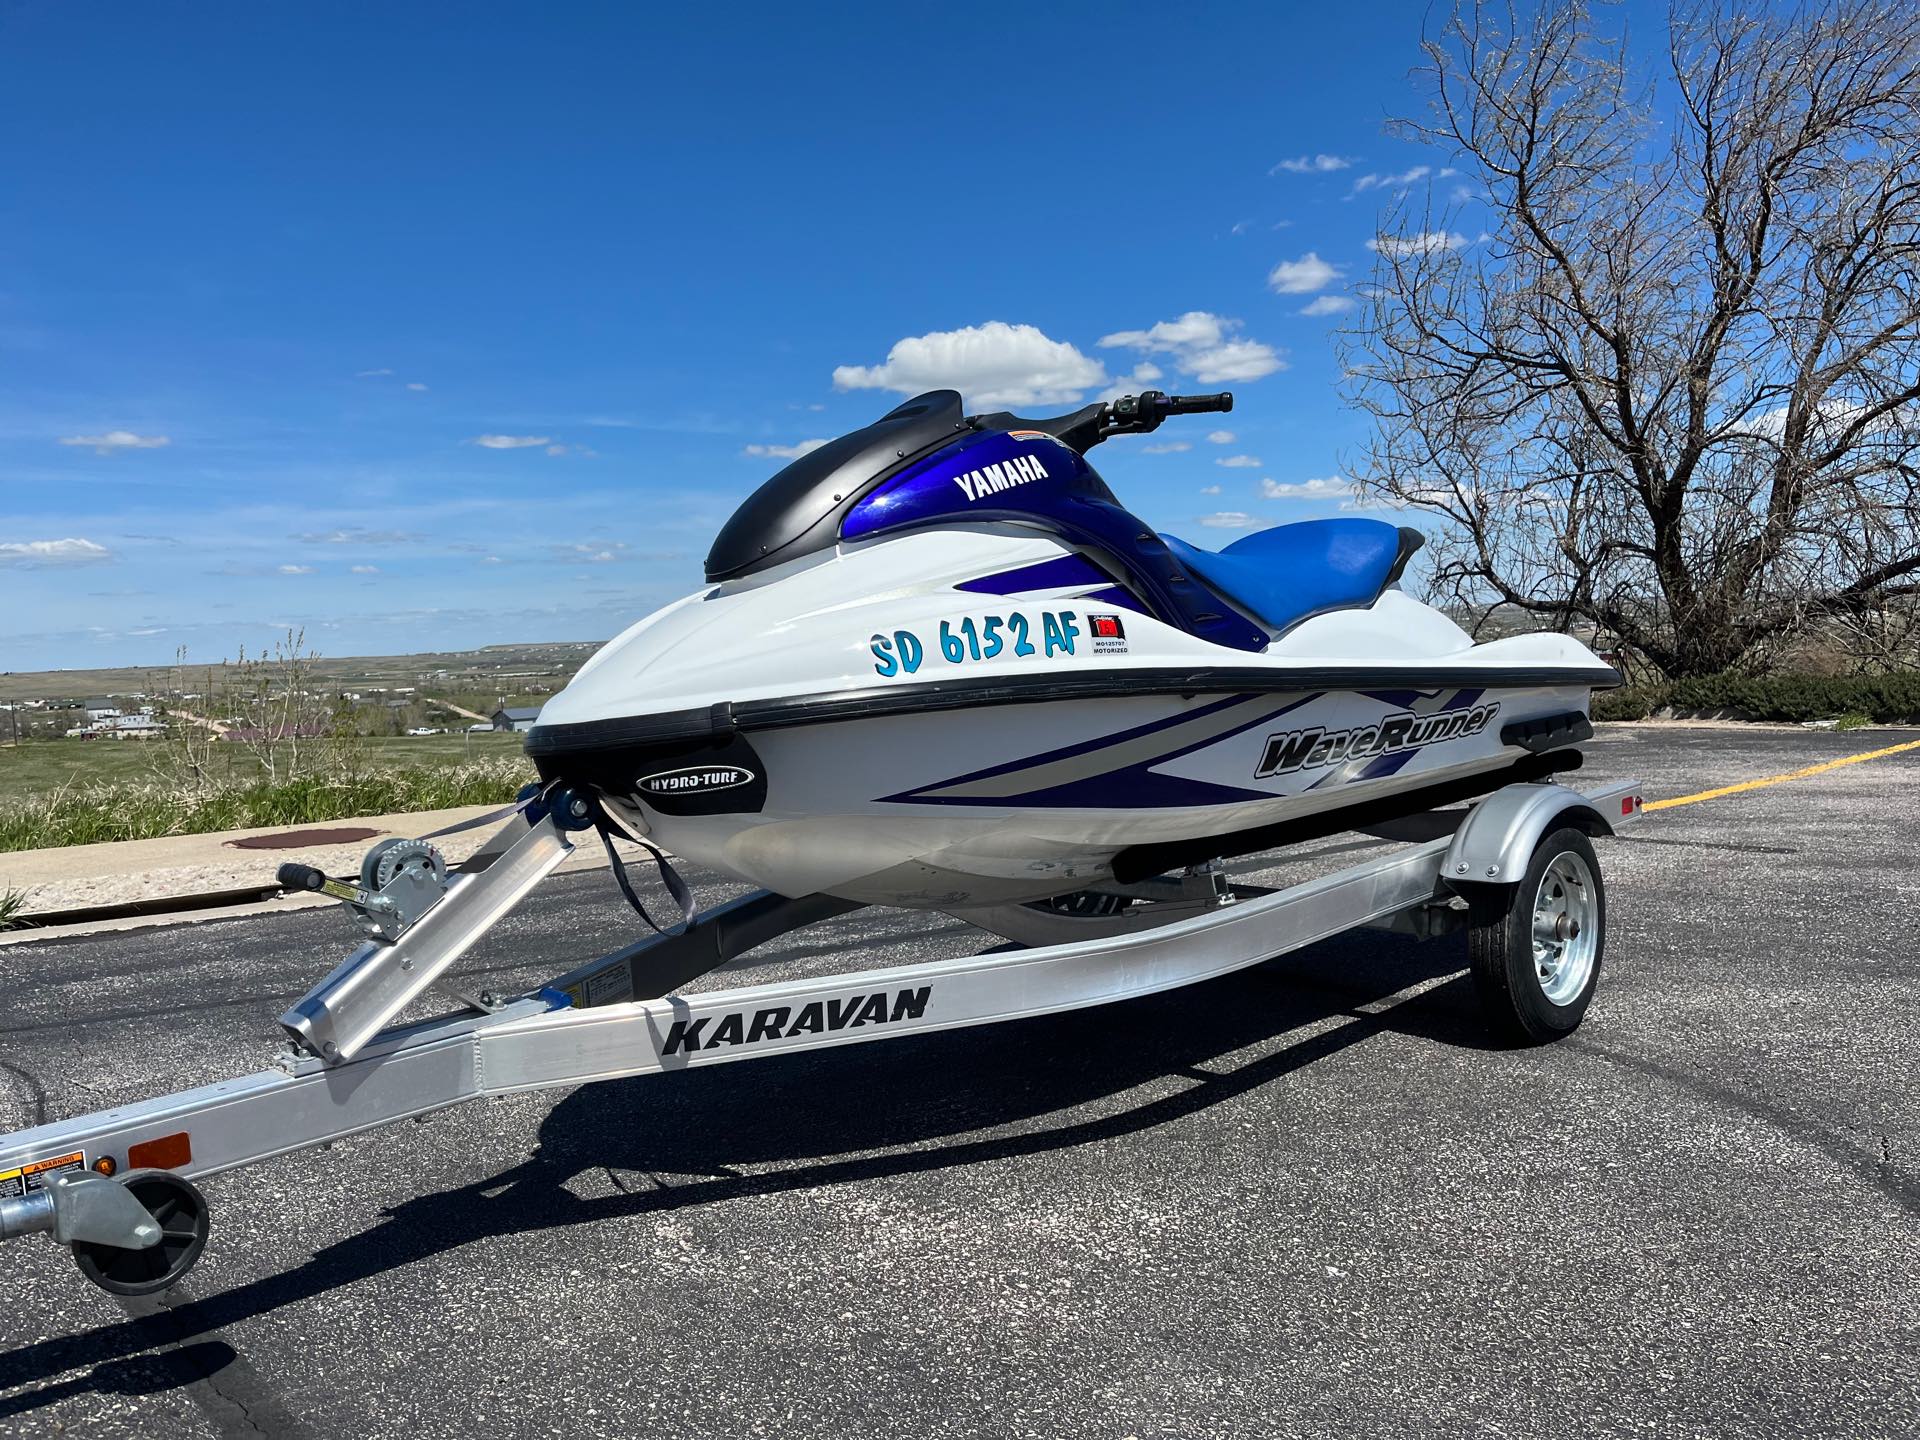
1306 1199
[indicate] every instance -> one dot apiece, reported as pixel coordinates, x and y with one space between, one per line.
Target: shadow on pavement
136 1376
842 1116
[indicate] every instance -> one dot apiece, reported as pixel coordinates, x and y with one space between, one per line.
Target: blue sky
434 326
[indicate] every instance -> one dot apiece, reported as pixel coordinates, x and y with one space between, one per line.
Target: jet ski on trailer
937 664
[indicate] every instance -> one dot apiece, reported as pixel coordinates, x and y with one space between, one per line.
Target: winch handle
294 876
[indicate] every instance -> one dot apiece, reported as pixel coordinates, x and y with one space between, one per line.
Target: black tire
181 1210
1500 945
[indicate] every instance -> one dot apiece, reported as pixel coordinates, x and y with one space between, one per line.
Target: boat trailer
117 1186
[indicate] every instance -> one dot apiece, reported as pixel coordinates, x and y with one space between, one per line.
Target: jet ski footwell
117 1186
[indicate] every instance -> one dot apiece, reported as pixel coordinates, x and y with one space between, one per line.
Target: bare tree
283 721
1674 387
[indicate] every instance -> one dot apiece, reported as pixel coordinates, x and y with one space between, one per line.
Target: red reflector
168 1152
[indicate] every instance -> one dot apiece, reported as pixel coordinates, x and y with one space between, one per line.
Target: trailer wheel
179 1208
1535 947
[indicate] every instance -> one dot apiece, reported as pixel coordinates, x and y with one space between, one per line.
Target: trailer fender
1495 842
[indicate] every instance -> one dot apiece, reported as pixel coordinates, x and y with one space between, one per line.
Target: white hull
939 811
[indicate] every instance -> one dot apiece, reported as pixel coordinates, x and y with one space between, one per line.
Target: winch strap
492 817
669 877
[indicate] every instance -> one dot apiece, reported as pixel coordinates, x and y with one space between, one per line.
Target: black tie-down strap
669 877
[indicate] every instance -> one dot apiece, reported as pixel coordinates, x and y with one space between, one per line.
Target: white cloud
1312 164
784 452
1425 243
1209 489
1303 276
1229 520
593 552
1328 305
366 569
1221 437
1239 462
991 364
35 554
1328 487
1202 346
415 385
493 560
358 535
369 374
1169 447
1405 177
296 569
1143 377
510 442
114 440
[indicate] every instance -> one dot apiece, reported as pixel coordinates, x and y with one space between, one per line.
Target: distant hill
505 669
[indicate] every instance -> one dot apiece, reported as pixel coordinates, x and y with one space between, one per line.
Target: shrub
1874 699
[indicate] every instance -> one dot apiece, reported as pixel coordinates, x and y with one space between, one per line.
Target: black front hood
799 510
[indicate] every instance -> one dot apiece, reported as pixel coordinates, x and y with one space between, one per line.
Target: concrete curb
198 877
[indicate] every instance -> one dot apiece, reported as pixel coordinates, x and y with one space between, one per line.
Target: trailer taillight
106 1165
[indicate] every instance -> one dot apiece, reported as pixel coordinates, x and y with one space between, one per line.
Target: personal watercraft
936 664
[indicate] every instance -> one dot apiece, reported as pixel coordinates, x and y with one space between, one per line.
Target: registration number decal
987 638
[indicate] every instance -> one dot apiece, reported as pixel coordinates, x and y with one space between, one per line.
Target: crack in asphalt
1877 1172
222 1384
36 1092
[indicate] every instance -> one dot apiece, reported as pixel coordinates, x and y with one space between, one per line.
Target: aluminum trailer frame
618 1016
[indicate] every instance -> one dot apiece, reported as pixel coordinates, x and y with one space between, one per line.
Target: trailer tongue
117 1186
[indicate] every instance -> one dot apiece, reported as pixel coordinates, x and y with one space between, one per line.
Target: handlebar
1196 404
1138 414
1126 415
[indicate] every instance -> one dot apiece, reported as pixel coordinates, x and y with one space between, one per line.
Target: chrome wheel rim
1566 928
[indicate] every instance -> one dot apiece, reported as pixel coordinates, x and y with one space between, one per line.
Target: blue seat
1294 572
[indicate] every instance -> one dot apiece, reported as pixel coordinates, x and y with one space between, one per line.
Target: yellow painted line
1820 769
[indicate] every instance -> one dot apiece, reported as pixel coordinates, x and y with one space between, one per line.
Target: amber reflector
105 1165
168 1152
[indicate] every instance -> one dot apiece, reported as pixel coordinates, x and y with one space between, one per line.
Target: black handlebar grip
1199 404
295 876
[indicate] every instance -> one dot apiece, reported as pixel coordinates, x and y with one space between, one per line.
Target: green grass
38 767
12 902
78 792
95 811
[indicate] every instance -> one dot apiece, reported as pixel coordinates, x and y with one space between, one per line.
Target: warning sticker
609 987
17 1182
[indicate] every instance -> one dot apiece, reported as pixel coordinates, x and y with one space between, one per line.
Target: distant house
516 717
98 710
133 727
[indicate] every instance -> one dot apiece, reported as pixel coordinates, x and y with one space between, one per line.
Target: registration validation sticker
18 1181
